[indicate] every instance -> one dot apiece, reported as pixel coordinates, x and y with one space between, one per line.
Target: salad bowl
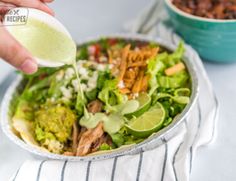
151 142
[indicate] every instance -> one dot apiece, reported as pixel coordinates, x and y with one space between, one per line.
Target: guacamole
54 123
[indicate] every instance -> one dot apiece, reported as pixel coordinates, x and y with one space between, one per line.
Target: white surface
216 162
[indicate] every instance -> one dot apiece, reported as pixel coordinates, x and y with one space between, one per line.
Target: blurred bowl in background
215 40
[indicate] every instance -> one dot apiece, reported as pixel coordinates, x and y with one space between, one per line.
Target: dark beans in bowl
213 9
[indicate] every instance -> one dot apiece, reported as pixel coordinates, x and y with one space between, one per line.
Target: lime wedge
144 103
148 123
45 38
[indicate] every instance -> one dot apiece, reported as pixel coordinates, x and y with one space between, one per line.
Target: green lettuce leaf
105 146
91 95
176 57
175 81
80 104
82 53
111 96
176 98
118 139
24 110
124 138
102 77
155 65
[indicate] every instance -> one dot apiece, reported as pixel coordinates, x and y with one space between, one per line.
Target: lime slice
148 123
45 38
144 103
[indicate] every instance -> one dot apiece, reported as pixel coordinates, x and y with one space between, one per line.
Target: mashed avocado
53 123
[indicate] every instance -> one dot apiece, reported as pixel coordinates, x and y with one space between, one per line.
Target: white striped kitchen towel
172 161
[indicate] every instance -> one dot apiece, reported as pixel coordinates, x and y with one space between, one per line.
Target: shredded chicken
88 138
95 106
81 132
68 153
75 135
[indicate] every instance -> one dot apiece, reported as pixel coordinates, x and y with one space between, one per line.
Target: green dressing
45 42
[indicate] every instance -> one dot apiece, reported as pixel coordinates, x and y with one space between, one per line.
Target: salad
127 91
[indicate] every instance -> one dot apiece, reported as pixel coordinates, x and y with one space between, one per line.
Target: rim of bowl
190 16
132 149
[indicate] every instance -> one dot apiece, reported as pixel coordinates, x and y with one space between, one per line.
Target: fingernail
29 66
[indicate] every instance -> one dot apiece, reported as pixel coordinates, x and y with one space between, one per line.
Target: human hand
10 49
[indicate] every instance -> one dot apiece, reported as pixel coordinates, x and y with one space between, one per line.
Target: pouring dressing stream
46 39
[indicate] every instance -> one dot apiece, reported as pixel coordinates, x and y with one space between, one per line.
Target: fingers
16 55
37 4
4 7
10 50
45 8
47 1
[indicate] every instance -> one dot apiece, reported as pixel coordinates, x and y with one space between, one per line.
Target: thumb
16 55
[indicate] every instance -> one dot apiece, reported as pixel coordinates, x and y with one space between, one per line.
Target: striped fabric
170 162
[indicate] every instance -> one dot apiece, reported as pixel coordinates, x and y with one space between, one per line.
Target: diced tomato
112 41
91 50
97 50
94 49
